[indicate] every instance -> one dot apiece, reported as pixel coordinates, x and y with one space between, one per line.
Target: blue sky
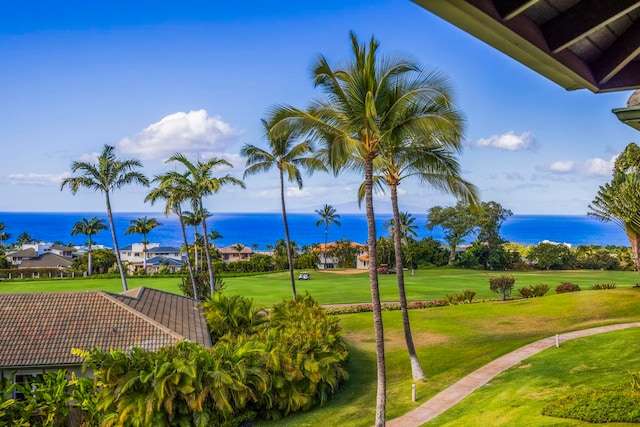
156 77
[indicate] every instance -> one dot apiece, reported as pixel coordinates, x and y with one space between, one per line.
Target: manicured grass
452 341
336 288
517 396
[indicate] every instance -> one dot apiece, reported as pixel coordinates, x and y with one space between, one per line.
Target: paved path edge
467 385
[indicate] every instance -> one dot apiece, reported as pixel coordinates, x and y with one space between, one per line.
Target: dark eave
578 44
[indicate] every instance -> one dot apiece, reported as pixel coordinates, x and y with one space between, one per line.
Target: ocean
262 229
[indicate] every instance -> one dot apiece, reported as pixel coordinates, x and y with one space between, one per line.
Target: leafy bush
466 296
600 286
367 308
534 291
502 285
567 287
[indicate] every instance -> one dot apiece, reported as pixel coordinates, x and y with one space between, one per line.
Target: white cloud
509 142
39 179
561 166
192 132
305 192
599 167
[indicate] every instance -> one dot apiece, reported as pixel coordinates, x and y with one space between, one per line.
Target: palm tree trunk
212 283
178 211
89 261
416 370
634 240
116 249
144 255
381 394
286 235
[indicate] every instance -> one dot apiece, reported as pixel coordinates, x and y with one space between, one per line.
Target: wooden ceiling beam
583 19
624 50
625 79
508 9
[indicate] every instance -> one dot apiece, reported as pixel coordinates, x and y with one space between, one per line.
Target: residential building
237 252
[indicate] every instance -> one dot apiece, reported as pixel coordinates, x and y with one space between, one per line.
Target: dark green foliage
502 285
202 286
484 257
534 291
426 252
598 407
551 256
567 287
258 367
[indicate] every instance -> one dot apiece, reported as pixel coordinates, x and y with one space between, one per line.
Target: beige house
237 252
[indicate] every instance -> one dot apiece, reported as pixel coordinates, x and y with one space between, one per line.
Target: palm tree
288 155
89 227
142 226
371 102
198 182
169 190
428 155
407 227
2 233
24 238
106 176
213 236
194 219
328 216
4 236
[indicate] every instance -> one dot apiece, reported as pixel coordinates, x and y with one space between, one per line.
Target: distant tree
102 260
427 252
551 256
345 252
89 227
386 253
457 222
328 215
288 154
4 262
619 200
3 236
25 238
198 182
143 226
106 176
489 218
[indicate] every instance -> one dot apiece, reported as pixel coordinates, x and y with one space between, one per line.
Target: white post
413 392
557 340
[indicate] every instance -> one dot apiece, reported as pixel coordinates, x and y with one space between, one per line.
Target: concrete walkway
458 391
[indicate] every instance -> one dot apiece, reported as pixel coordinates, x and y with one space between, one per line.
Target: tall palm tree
288 154
4 236
328 216
142 226
89 227
24 238
407 227
194 219
199 183
430 157
170 191
106 176
2 233
370 102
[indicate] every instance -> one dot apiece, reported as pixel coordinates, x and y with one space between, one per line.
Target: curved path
458 391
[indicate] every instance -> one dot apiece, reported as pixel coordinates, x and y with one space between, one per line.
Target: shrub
502 285
367 308
604 406
534 291
466 296
567 287
202 285
599 286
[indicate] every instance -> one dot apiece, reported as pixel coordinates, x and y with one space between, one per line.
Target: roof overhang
583 44
629 116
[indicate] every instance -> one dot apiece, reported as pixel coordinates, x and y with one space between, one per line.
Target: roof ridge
110 297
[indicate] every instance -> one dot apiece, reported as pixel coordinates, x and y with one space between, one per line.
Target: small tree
502 285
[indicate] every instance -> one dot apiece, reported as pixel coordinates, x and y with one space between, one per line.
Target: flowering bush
567 287
502 285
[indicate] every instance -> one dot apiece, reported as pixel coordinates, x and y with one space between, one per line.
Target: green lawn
452 341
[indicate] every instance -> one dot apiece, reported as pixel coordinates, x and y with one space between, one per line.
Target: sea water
261 230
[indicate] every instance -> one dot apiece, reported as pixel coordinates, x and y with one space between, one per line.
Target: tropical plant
142 226
107 175
371 102
89 227
233 315
175 196
24 238
287 154
619 200
198 182
328 216
195 220
502 285
3 235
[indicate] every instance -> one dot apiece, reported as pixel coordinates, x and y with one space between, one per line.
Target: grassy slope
451 341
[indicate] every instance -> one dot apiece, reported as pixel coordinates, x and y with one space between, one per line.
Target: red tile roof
40 329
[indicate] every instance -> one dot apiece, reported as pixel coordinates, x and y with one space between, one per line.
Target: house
157 257
237 252
37 255
328 261
38 330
